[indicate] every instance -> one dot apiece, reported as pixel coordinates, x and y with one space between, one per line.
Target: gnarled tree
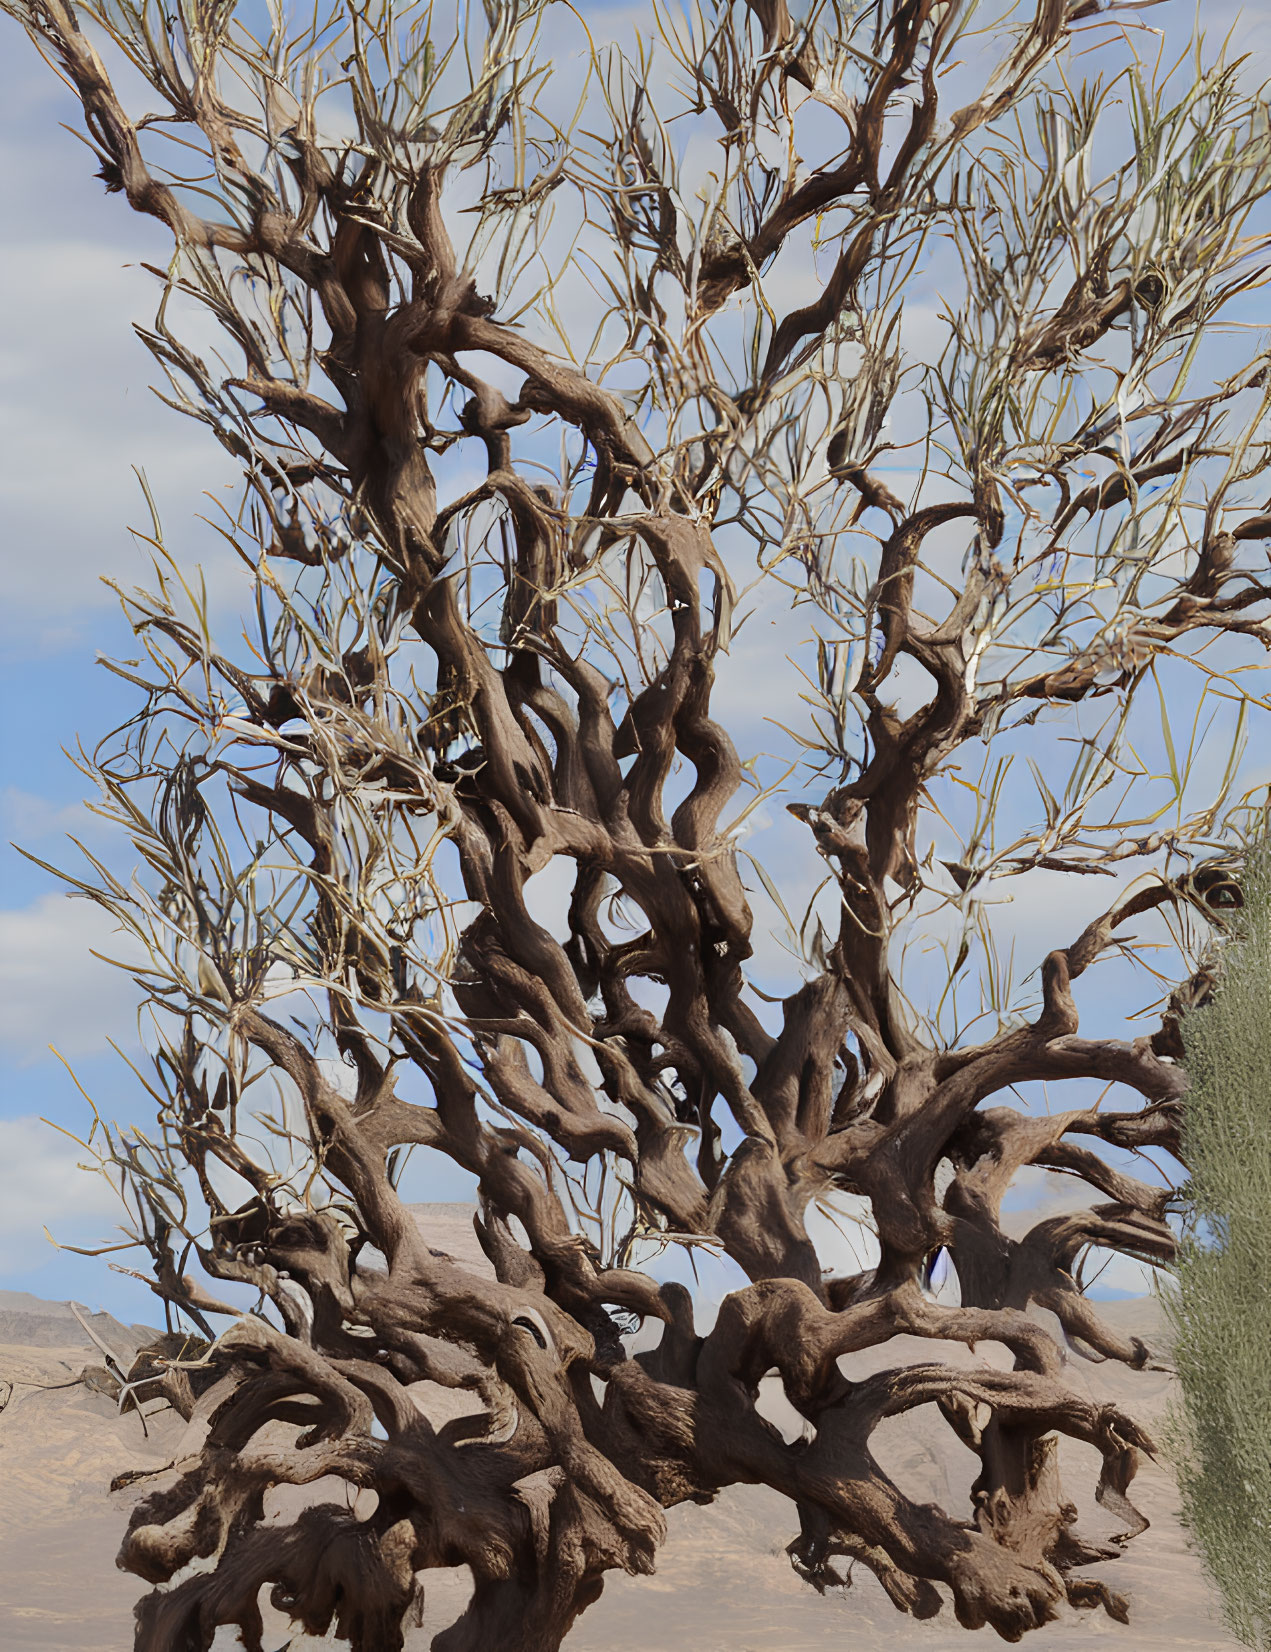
544 407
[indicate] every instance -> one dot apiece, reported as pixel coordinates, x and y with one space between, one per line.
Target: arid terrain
723 1582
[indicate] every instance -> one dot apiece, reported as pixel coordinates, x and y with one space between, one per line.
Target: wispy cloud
52 990
42 1185
26 817
76 412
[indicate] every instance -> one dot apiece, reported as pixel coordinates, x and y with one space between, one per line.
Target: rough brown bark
521 752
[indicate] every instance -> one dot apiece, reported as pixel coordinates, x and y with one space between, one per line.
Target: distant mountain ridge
28 1321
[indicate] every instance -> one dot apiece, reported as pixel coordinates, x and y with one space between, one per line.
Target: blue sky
76 415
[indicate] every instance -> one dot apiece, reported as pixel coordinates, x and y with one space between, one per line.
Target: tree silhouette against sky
889 365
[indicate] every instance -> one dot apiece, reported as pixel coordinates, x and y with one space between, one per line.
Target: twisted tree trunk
520 673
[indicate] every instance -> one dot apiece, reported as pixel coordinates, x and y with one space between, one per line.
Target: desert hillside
723 1583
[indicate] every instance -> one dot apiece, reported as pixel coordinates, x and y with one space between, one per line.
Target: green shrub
1220 1435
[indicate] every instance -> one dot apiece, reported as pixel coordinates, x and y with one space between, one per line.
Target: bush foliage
1220 1434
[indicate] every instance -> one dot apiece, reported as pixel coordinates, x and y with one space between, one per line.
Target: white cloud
41 1185
52 990
76 412
26 816
842 1227
75 416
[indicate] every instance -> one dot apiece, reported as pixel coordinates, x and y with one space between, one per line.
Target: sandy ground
723 1583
